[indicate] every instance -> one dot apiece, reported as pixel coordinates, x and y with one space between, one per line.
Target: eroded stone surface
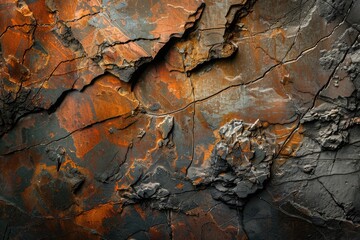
239 163
179 119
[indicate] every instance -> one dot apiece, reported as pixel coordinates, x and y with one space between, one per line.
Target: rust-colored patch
95 217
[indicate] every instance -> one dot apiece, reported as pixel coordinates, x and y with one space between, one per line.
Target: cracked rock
331 126
240 162
165 126
196 119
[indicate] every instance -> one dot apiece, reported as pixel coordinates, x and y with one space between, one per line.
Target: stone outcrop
195 119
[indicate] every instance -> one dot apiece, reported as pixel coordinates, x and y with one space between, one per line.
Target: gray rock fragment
328 125
240 162
57 155
166 126
147 190
141 133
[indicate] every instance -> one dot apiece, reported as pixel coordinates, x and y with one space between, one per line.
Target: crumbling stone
177 119
240 162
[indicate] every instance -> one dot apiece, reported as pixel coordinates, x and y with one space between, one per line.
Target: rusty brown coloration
169 119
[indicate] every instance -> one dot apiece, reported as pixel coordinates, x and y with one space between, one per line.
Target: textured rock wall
180 119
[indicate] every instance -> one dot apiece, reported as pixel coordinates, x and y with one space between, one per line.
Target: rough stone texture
239 163
190 119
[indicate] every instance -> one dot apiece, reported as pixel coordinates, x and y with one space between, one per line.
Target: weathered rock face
180 120
239 164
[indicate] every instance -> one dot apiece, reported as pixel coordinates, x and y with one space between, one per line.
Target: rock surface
195 119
